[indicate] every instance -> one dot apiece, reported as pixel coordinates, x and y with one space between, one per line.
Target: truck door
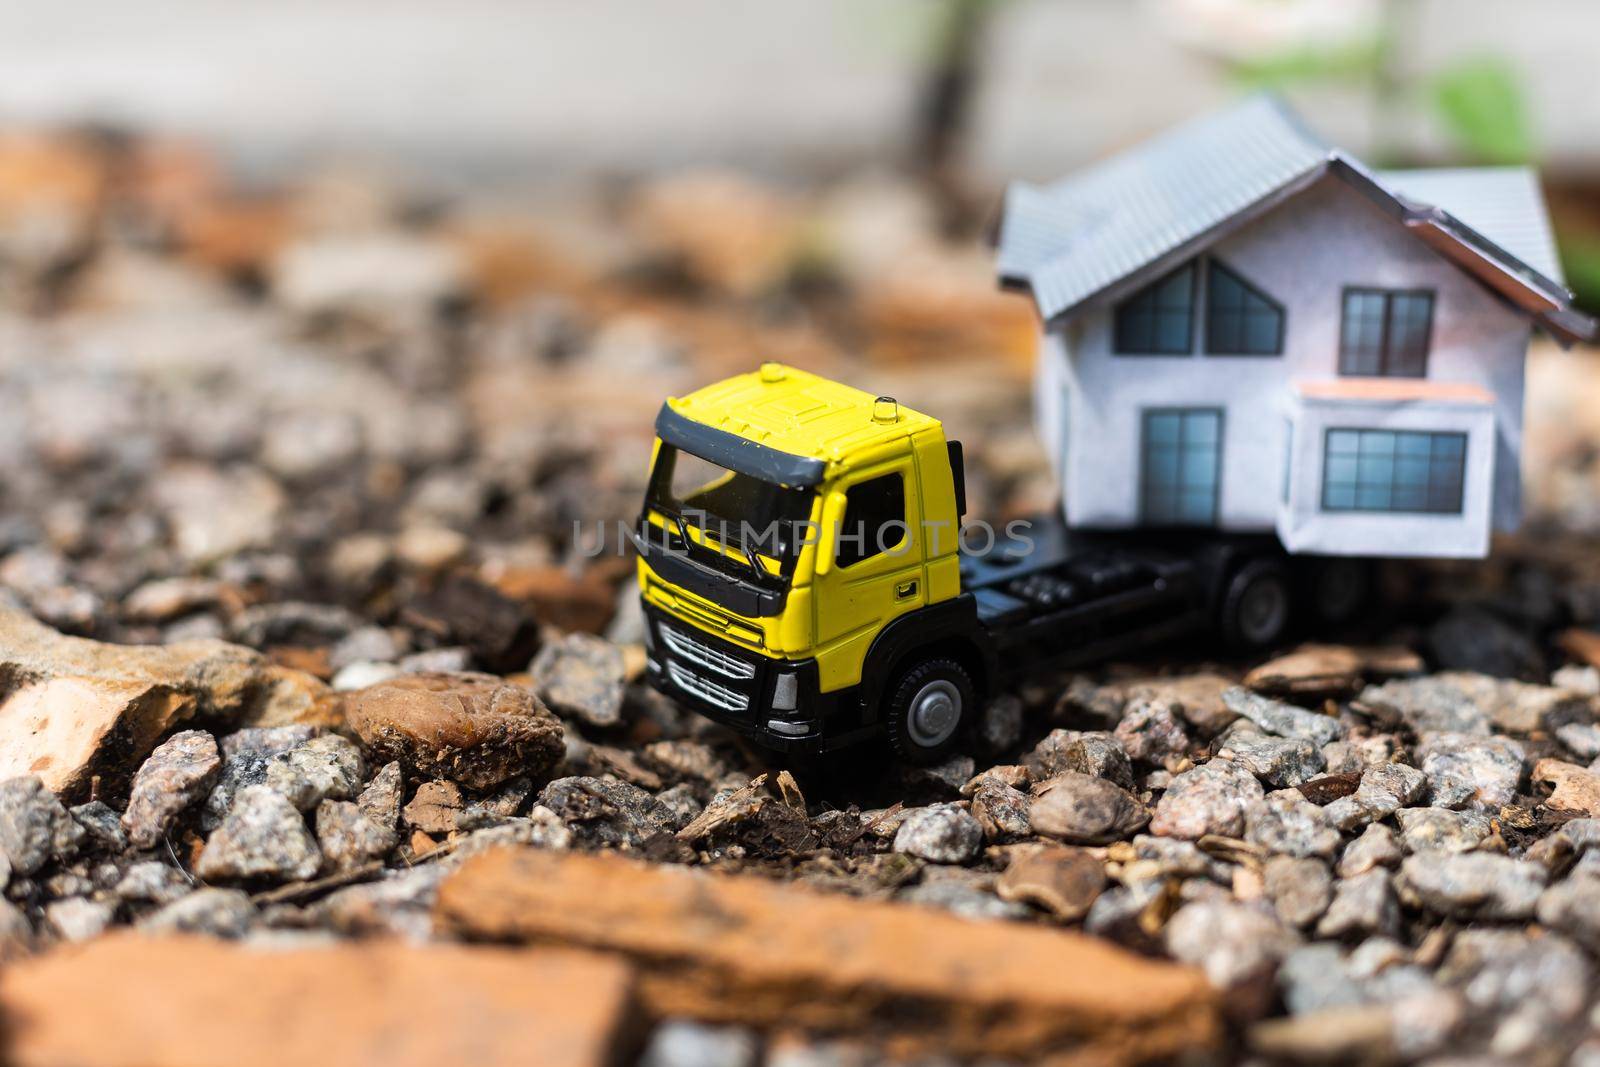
876 572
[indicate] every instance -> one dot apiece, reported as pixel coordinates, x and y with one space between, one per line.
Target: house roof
1394 390
1119 221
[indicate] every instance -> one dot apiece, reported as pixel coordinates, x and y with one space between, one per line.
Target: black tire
1337 589
921 725
1257 606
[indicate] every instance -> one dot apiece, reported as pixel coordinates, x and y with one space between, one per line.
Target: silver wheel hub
935 713
1262 613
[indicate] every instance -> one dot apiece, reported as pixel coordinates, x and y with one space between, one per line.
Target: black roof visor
736 453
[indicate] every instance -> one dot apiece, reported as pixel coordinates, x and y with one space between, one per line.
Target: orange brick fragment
746 949
196 1002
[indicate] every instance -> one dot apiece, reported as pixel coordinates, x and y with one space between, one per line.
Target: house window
1385 333
874 519
1390 470
1158 320
1241 320
1180 465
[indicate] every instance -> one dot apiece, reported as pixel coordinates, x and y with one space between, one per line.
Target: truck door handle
905 590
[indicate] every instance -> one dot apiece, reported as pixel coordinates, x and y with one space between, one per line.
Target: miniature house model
1249 330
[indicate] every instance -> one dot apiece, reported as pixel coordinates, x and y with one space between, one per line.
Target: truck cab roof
797 413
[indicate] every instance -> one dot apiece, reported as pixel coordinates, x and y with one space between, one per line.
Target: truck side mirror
958 472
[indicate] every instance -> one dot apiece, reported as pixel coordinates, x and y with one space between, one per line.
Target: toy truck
804 582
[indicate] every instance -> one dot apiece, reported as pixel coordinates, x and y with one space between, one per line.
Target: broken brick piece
199 1002
744 949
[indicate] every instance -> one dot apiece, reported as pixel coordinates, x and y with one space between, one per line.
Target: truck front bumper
774 702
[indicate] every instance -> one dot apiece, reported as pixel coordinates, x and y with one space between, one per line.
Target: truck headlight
786 692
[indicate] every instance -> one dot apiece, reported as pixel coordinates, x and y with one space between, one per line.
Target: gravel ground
348 434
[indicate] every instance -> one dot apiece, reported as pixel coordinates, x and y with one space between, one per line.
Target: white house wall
1302 254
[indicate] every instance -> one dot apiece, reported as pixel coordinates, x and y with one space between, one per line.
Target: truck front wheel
929 706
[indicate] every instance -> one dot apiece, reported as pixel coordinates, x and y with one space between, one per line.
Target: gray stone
152 882
1001 810
1376 847
1209 799
1277 761
363 673
1442 830
1151 731
244 763
397 905
182 770
1481 772
680 1043
1471 885
1168 857
34 827
1384 789
1093 753
365 644
349 837
967 901
940 833
453 660
226 913
581 676
1285 720
1582 739
103 824
263 837
606 812
1468 703
78 918
329 767
539 828
1573 907
1000 727
1300 889
1232 942
380 799
1081 809
1526 985
682 804
1287 823
1362 906
1120 912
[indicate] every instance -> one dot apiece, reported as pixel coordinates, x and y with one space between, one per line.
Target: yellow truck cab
802 577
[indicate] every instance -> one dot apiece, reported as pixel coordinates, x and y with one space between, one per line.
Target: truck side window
874 519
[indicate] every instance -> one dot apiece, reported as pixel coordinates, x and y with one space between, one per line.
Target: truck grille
703 655
709 691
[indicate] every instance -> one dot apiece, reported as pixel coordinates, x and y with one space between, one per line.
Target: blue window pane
1240 319
1343 442
1158 319
1386 470
1163 428
1179 469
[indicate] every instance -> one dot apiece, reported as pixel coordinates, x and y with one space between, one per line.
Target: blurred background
315 300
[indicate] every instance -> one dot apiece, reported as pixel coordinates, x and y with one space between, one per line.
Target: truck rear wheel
929 707
1255 608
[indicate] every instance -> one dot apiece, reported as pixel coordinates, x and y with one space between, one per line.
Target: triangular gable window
1241 320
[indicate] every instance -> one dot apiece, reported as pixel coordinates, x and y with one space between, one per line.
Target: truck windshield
734 509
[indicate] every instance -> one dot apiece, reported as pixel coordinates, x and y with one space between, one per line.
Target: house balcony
1390 467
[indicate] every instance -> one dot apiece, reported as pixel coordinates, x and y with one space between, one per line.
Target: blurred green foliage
1479 102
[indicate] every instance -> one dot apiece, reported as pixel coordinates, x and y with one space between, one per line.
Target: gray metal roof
1502 203
1134 212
